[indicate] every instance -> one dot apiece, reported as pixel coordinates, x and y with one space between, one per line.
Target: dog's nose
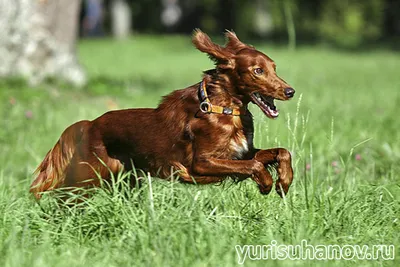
289 92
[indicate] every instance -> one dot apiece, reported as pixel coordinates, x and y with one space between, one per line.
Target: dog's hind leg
90 163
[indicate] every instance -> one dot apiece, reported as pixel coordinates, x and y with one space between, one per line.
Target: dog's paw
282 189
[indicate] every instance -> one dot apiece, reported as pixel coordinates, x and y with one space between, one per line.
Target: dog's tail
51 172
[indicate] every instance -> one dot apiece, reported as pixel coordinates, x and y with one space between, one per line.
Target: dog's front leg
283 158
222 167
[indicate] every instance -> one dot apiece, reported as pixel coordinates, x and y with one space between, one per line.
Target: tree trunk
121 19
37 40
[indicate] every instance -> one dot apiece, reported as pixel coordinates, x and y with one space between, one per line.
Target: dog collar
207 107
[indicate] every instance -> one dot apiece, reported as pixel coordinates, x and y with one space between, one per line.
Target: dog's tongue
271 110
273 113
266 104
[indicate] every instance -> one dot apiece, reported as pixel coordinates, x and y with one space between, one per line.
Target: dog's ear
233 43
222 57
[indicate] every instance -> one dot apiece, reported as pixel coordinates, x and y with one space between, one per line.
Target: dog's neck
221 88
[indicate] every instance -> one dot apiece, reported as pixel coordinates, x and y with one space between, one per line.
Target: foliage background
348 24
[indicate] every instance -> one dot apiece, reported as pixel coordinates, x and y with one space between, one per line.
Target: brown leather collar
207 107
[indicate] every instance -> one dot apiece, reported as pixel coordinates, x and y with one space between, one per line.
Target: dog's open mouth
266 104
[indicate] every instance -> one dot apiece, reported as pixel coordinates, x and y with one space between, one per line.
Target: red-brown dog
203 133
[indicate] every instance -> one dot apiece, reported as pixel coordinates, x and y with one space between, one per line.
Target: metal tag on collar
227 111
205 107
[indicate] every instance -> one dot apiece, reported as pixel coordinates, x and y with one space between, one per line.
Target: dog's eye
258 71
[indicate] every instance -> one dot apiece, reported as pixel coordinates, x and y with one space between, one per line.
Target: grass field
342 128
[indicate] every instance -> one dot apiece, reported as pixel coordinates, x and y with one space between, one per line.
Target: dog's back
152 139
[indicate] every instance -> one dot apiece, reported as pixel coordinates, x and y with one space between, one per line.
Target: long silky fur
51 172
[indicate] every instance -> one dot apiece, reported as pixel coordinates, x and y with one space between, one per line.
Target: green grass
342 129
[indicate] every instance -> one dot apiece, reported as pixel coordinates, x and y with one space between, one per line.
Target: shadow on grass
98 85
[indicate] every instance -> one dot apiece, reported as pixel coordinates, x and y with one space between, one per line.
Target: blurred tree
146 15
209 20
350 23
245 20
37 40
263 19
392 20
288 7
121 17
171 13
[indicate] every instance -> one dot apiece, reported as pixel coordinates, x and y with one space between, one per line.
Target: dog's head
252 73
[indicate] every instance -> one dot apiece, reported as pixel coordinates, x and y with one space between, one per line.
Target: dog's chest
238 145
242 139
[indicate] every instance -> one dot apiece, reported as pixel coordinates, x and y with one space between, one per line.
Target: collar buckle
205 107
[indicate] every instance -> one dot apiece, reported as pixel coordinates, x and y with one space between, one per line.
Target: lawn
342 129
